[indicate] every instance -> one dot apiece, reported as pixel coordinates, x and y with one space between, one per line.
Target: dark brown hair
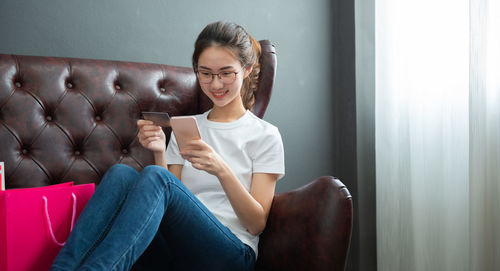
235 38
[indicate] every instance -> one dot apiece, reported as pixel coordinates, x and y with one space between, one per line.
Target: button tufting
162 89
48 118
118 87
124 151
25 151
77 152
69 85
98 118
18 84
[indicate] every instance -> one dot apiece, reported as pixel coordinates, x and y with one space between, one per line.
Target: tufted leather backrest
68 119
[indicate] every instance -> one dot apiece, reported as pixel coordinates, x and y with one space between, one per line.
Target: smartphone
159 118
185 128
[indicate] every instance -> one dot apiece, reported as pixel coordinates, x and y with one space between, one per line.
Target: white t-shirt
248 145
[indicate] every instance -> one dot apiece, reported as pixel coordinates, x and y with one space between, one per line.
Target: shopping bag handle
47 218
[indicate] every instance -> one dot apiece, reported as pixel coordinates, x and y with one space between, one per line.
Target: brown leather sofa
67 119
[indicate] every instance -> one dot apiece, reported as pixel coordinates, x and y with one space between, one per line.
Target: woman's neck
228 113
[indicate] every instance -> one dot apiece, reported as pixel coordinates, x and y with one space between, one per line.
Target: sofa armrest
308 228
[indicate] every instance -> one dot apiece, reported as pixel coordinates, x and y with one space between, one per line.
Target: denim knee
120 175
120 168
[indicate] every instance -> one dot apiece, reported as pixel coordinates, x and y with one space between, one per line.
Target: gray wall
365 109
164 32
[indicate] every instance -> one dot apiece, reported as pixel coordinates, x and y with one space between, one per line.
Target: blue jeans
131 212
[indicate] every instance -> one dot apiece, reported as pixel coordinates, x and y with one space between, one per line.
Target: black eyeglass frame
218 76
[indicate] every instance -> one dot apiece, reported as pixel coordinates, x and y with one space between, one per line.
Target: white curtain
437 134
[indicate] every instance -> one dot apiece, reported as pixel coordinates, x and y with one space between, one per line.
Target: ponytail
250 85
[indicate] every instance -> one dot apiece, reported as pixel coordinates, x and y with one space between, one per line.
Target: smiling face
217 60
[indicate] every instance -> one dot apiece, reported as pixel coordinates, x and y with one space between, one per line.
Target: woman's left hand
203 157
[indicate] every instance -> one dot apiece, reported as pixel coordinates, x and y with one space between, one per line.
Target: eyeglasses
226 77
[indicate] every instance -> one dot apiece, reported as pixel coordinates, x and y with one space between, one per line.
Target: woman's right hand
151 136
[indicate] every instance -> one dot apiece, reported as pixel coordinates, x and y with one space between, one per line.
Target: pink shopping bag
35 222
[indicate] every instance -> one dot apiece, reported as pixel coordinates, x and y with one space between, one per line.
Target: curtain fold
437 134
484 146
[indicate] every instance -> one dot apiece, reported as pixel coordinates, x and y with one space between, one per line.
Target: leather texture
69 119
308 228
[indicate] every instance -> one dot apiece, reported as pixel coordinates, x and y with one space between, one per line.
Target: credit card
159 118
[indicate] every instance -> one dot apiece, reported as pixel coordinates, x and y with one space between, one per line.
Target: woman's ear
247 72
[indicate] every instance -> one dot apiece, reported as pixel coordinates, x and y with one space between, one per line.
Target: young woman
199 209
